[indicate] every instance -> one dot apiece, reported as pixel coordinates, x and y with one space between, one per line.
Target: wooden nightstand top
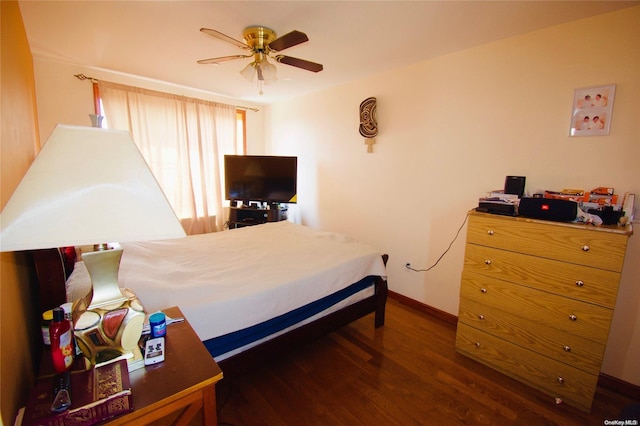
187 377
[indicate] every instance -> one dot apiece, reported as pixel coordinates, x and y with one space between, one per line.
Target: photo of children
590 122
592 111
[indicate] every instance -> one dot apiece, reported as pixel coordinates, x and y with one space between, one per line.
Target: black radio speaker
514 185
548 209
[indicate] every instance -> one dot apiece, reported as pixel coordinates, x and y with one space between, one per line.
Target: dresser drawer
559 380
593 285
568 348
578 244
538 307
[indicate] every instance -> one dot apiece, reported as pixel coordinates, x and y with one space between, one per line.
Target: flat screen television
271 179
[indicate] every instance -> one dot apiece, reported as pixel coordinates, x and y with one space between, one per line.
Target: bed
249 293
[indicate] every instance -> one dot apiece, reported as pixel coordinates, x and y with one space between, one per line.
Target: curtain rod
95 80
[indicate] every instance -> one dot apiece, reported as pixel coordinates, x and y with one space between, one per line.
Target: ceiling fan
261 42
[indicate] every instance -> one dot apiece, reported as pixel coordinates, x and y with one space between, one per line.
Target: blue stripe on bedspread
228 342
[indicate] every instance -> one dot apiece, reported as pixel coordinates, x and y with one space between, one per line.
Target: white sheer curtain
184 141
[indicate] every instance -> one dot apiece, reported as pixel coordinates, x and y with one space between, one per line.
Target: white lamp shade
268 72
86 186
249 72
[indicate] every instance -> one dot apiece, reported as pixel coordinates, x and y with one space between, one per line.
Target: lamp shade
268 72
249 72
86 186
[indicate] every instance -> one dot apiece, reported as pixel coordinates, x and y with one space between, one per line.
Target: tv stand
248 216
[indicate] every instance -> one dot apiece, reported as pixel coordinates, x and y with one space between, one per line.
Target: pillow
79 283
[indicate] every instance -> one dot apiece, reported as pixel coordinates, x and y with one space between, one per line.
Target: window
184 141
241 131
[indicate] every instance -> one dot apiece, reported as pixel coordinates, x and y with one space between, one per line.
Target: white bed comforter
230 280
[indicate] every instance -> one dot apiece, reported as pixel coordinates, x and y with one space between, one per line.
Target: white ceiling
352 39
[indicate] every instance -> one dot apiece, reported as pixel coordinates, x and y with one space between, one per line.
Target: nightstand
181 388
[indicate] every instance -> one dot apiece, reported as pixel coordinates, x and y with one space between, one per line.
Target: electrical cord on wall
408 265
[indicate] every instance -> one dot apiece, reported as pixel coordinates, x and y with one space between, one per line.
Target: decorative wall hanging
592 107
368 123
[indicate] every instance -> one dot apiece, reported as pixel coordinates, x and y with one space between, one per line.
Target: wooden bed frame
53 267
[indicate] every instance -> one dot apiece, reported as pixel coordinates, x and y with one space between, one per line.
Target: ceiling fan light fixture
262 69
249 72
268 71
261 42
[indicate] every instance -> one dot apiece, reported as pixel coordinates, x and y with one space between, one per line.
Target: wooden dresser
537 298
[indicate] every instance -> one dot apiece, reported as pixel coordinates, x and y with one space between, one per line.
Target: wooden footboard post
381 296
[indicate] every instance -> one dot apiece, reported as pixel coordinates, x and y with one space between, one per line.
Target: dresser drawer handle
483 290
490 232
580 283
566 348
487 261
477 344
481 317
573 317
561 380
585 248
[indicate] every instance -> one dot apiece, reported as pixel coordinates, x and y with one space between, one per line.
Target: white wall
451 129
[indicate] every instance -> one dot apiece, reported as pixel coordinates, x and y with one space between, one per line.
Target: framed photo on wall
592 108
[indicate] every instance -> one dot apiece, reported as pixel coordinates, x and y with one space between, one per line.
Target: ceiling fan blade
224 37
222 59
288 40
299 63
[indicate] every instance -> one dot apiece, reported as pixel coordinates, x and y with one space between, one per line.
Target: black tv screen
271 179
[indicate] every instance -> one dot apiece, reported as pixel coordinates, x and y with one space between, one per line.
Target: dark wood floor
405 373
